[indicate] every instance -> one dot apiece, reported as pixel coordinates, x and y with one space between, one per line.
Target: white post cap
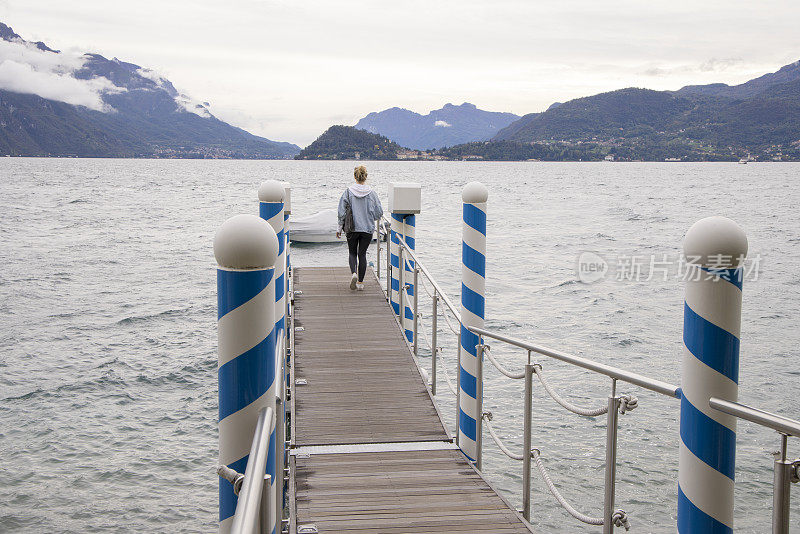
405 198
271 191
716 242
246 242
475 193
287 197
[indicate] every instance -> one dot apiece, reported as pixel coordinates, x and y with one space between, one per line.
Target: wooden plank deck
399 492
362 383
361 415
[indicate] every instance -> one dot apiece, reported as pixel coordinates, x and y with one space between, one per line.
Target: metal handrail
427 274
611 517
615 373
249 507
280 362
280 423
784 425
786 471
253 508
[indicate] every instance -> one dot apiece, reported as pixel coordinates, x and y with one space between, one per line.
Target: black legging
357 243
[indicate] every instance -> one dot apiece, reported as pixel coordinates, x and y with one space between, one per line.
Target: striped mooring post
246 248
473 285
715 248
409 224
405 201
287 211
397 229
270 196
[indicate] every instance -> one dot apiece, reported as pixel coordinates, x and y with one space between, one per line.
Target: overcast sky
289 69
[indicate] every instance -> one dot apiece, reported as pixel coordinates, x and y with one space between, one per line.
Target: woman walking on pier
359 208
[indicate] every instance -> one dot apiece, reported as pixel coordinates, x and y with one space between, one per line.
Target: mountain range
760 117
59 104
55 103
448 126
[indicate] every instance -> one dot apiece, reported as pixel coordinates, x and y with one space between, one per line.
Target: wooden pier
370 453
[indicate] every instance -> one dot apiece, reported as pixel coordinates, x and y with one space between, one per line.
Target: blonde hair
360 174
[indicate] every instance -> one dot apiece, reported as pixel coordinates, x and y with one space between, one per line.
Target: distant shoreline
733 161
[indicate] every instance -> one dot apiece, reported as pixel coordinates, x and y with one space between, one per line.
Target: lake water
108 395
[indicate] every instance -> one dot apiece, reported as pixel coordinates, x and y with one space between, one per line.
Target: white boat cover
318 228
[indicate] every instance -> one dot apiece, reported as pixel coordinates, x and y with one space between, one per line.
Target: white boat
318 228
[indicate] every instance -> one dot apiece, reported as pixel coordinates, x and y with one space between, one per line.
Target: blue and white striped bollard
409 231
270 196
397 231
287 211
245 248
473 285
711 331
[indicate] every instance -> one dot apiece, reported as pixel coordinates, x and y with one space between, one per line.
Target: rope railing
488 352
444 313
624 402
425 287
487 416
586 412
449 324
620 518
421 333
449 381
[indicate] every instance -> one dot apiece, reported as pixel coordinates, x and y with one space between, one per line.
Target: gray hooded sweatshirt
365 204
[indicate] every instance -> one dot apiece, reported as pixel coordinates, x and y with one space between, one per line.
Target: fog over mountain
70 104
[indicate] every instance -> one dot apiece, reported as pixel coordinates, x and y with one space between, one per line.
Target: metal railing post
378 247
267 520
458 386
612 423
785 474
401 282
479 400
415 322
526 443
280 431
434 348
389 265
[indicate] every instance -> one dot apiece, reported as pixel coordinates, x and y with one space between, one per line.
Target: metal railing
436 296
255 511
786 472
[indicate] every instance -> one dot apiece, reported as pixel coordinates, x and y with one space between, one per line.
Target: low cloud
185 102
442 124
153 76
193 106
720 64
26 69
711 65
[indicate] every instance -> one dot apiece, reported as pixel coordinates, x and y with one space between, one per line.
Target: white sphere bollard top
474 193
271 191
715 241
246 242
